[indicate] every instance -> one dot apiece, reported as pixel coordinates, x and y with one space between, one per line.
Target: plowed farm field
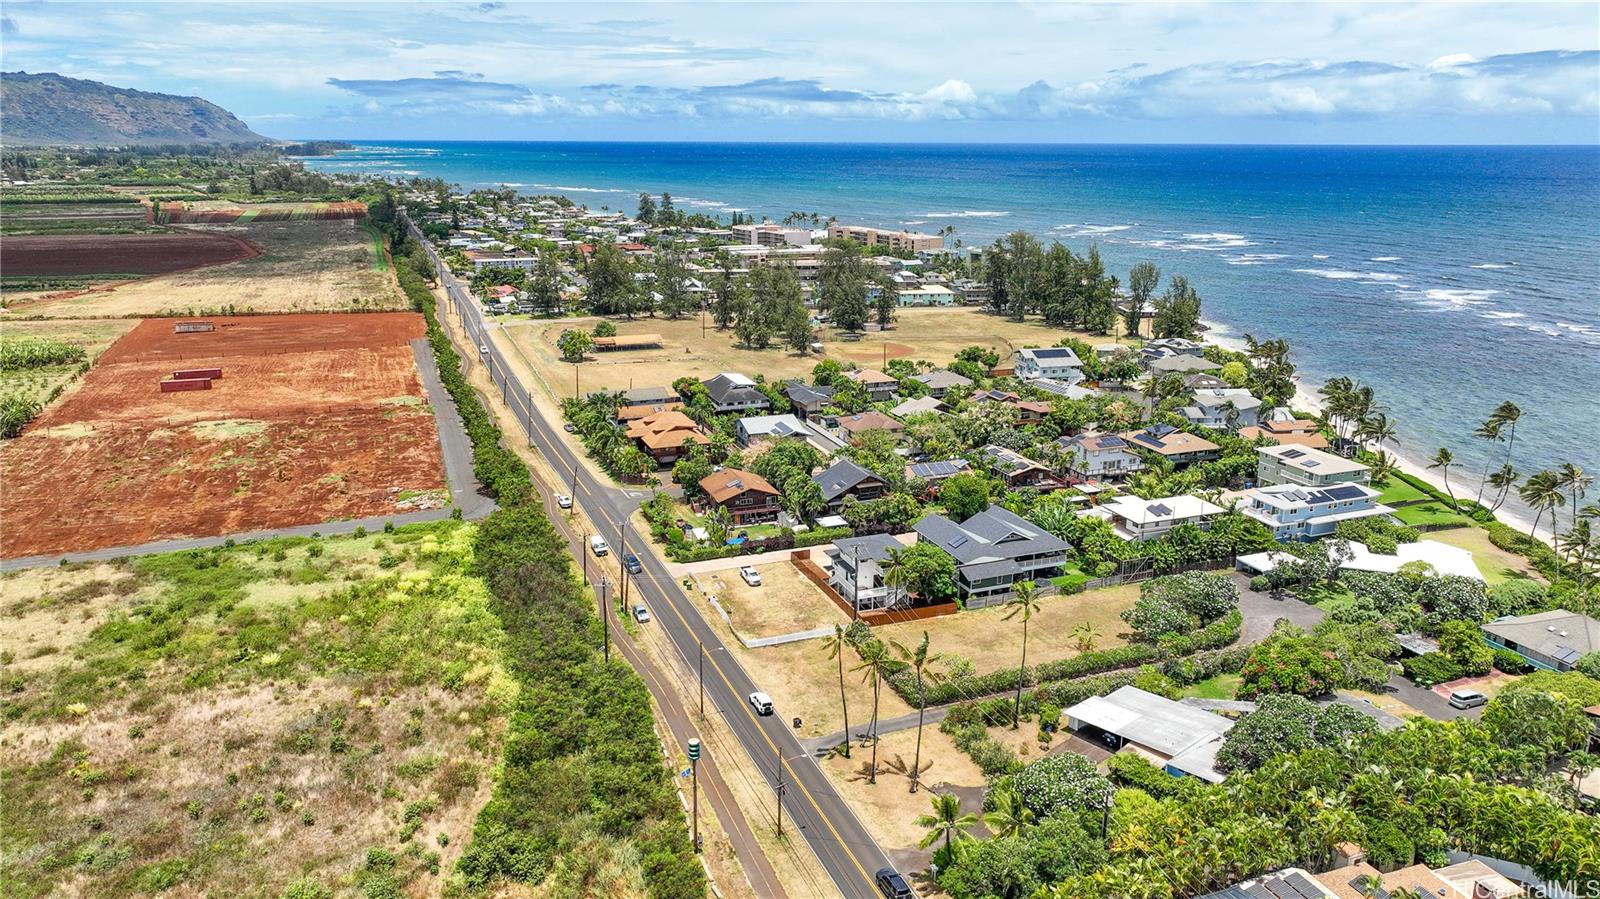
316 418
119 254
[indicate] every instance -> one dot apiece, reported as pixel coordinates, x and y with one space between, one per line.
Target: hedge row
686 552
581 748
1223 631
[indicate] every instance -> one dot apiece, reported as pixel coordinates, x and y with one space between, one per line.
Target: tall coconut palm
876 663
1576 482
1442 460
1502 481
1378 428
1011 816
1542 491
947 822
896 575
835 645
1024 602
919 661
1490 431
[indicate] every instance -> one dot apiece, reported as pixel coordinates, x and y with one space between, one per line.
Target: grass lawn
1432 514
1496 565
1398 491
932 334
991 642
785 602
1223 686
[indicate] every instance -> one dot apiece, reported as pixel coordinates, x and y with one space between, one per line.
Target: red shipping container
175 386
212 373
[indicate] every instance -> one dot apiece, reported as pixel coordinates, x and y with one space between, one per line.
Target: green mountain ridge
51 109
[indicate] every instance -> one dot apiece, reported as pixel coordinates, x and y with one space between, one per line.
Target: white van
597 545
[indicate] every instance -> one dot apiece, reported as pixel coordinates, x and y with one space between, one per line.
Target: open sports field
932 334
119 254
316 418
303 266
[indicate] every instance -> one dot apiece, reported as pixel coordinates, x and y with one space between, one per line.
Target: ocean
1448 278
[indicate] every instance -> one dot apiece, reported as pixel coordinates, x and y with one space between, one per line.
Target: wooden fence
814 573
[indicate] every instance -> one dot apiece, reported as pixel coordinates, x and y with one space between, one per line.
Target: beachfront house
1179 364
1098 457
993 550
1059 363
1553 640
733 392
1294 512
1280 426
1222 408
844 479
1173 445
1169 347
746 495
857 572
1307 467
1139 520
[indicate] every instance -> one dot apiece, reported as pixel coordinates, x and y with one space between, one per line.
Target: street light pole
702 680
694 773
780 792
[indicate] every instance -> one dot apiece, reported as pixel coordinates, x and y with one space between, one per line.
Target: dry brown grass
888 808
306 266
785 603
935 335
990 642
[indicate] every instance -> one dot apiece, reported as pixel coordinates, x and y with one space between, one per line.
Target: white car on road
564 501
641 614
750 575
598 546
761 702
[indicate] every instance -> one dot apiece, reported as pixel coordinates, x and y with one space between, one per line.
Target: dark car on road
632 563
892 885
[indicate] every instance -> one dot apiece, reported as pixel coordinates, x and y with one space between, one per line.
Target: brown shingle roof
868 421
728 483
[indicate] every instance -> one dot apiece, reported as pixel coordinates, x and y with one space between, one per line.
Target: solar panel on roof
1293 454
1310 463
1346 491
1160 509
1303 885
1113 442
958 541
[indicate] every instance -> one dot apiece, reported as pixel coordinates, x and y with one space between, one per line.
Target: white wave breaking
1493 265
965 214
1336 274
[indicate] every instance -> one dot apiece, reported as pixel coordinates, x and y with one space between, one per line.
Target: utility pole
702 680
584 552
694 773
780 792
603 593
622 554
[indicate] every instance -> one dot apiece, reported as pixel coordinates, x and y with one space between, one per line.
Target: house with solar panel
1139 520
1307 467
1018 471
1290 883
993 550
938 471
1553 640
844 479
1058 362
1178 447
1294 512
1222 408
1099 457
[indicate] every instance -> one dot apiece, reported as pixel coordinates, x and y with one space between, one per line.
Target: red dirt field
316 418
119 254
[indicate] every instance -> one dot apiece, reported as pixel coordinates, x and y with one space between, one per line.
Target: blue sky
1057 72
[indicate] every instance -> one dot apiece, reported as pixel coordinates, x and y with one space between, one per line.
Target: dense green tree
964 496
1285 722
842 288
1177 310
573 344
672 282
612 290
1142 281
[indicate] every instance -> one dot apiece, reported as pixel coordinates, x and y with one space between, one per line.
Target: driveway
1261 611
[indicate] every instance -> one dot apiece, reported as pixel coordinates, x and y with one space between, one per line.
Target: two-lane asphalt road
810 803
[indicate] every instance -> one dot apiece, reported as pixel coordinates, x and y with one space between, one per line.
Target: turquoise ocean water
1449 278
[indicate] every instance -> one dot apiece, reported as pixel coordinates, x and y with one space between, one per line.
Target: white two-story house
1099 456
1307 467
1139 520
1294 512
1058 363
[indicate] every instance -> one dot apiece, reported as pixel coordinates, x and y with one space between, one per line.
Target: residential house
1442 558
1098 457
757 428
665 435
1177 447
1062 388
1289 883
928 295
1203 381
636 395
879 386
941 381
845 478
853 426
1139 520
486 259
883 237
1280 426
1028 411
806 400
1294 512
1168 347
1178 365
993 550
1307 467
1181 738
1017 470
637 411
973 292
1222 408
1553 640
1059 363
918 406
746 495
935 472
1352 882
857 573
733 392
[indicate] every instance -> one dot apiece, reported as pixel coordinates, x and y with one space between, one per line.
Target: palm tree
1084 637
1502 481
1383 467
1442 460
1542 491
1024 601
836 645
1576 482
876 663
1379 429
919 660
947 822
1577 545
896 574
1011 816
1490 431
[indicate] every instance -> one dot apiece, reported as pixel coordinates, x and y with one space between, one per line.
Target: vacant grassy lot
305 266
935 335
1433 514
230 721
41 384
989 641
786 602
888 808
1494 563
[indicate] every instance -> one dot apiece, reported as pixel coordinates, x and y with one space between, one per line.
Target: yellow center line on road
838 837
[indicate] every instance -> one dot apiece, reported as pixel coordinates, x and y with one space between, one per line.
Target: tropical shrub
1431 668
1462 643
1061 782
1287 723
1509 662
1289 661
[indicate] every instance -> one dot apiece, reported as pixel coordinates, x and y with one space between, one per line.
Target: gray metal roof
1558 633
840 478
988 536
804 394
1152 721
943 377
871 547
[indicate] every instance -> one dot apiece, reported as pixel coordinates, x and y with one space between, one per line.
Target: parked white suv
597 544
761 702
750 575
